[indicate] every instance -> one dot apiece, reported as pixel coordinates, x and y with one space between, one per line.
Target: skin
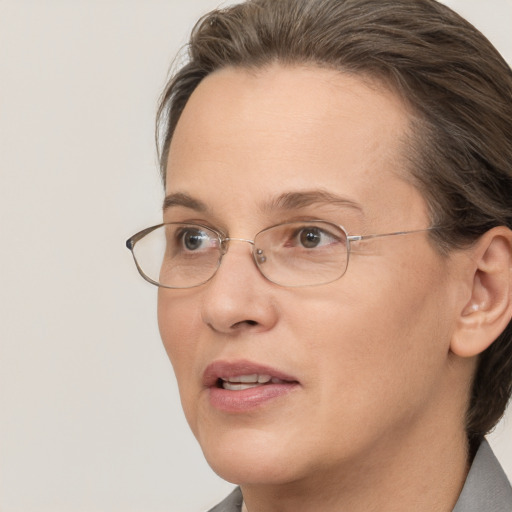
376 422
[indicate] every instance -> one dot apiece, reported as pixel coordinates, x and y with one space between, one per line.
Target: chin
242 458
246 472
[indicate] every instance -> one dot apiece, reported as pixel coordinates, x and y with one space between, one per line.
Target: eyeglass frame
224 246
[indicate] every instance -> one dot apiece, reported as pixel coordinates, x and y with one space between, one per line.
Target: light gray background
89 413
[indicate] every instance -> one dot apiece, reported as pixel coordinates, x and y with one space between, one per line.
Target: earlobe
489 310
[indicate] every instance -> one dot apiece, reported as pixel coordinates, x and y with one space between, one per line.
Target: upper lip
227 369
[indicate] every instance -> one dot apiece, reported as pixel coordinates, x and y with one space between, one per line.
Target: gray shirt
486 489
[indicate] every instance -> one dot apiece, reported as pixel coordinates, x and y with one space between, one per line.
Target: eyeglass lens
290 254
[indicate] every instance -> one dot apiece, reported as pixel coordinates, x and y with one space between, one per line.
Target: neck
424 475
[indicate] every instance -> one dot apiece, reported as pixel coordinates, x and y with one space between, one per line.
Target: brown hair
454 79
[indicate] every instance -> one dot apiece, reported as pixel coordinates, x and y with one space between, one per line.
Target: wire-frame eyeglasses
291 254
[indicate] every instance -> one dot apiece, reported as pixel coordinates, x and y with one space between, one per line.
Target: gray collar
487 488
233 503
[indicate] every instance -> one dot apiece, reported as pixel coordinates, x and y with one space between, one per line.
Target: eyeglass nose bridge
224 243
258 254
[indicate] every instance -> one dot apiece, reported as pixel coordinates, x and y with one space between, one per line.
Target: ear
489 310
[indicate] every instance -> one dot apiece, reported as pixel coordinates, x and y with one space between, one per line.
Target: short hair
455 81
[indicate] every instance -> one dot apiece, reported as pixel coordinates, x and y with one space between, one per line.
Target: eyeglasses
292 254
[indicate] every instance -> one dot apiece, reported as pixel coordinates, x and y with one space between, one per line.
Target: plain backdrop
90 418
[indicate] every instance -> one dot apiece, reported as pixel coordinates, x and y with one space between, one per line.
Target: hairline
408 144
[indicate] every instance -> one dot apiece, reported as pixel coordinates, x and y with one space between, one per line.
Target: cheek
178 321
384 346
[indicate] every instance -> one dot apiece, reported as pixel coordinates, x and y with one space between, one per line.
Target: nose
238 298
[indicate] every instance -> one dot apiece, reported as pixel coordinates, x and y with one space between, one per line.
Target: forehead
258 134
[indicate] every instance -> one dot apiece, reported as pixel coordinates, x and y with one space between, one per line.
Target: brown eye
310 237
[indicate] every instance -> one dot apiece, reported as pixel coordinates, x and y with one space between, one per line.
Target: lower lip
240 401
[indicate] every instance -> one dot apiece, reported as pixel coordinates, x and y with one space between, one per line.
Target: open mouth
242 382
240 386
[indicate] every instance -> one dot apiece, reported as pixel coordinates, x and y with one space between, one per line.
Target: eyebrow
184 200
286 201
303 199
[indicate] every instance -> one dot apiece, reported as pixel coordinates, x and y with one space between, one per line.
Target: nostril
244 322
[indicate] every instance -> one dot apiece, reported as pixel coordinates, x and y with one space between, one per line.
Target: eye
193 239
311 237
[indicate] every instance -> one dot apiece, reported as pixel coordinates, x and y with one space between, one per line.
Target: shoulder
487 487
233 503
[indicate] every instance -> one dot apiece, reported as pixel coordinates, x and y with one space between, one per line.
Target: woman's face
354 363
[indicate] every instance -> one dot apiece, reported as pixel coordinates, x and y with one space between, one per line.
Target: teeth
238 387
255 378
241 382
243 378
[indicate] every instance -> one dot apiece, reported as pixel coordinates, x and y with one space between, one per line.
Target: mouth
242 382
240 386
240 375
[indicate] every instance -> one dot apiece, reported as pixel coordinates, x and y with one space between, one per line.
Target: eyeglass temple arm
356 238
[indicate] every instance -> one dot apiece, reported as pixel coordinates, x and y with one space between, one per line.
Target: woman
300 135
